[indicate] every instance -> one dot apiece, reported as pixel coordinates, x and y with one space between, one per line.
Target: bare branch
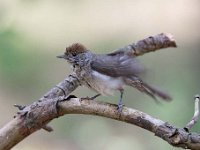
17 129
150 44
177 137
196 114
64 88
36 117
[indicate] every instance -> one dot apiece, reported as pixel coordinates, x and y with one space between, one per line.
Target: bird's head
72 51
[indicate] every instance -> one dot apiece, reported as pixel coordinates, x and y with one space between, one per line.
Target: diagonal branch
150 44
37 115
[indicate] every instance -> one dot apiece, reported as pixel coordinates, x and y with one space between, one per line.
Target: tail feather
158 92
147 89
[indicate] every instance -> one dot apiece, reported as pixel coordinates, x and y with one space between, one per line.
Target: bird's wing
116 65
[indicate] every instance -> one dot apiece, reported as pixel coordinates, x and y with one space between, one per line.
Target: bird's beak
62 56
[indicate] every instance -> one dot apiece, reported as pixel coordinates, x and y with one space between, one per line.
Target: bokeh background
32 33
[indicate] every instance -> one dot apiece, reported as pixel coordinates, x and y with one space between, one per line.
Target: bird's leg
120 103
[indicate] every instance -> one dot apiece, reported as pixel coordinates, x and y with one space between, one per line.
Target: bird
106 73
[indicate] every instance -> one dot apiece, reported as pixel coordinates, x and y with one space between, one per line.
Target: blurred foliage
13 59
20 66
32 33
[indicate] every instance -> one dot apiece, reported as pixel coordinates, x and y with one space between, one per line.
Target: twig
20 107
47 128
196 114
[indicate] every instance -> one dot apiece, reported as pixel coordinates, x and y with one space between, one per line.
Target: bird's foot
120 106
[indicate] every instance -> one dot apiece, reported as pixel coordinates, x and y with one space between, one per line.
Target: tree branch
150 44
196 114
55 103
177 137
35 117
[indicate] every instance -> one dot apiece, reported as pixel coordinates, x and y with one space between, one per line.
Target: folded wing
116 65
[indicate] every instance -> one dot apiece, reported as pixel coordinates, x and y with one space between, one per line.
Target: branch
177 137
37 115
150 44
196 114
22 126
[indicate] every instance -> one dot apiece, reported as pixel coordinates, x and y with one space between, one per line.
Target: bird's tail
147 89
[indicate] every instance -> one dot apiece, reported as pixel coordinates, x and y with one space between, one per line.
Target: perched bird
105 73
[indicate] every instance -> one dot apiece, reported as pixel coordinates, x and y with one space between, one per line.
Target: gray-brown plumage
105 73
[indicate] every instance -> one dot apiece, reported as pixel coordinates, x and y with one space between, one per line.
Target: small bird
105 73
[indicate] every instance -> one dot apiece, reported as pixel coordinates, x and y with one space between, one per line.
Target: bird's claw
120 106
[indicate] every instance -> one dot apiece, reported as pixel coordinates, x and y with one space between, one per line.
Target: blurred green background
33 32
